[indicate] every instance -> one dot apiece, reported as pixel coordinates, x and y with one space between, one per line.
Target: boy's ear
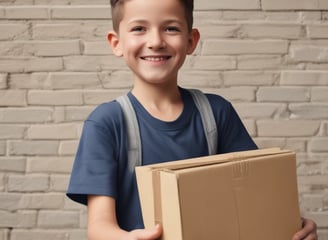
194 37
114 43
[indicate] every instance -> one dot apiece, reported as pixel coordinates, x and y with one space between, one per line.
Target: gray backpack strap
208 119
133 134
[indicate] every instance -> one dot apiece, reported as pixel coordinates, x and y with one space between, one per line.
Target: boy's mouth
155 58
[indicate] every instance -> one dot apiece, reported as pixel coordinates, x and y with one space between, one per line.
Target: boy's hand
308 231
145 234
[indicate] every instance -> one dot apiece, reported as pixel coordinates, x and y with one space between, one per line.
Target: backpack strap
133 133
208 120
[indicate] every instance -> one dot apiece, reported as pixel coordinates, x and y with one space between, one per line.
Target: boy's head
153 38
117 7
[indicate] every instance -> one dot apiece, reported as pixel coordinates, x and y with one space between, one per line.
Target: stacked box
248 195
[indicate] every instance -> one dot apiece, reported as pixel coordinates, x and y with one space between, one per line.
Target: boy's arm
102 223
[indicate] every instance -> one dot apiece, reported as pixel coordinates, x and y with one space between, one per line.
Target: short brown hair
117 12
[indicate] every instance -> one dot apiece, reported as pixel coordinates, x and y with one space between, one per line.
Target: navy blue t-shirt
100 166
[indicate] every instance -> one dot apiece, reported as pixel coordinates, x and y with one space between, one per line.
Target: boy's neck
162 102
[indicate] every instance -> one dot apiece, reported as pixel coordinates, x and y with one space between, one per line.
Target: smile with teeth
155 58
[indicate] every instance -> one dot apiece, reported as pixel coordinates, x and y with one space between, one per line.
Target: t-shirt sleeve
232 134
95 167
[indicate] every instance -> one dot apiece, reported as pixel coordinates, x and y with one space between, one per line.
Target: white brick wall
269 57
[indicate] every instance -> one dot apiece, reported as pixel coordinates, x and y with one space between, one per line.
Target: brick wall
269 57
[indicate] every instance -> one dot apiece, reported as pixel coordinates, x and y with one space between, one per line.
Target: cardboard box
250 195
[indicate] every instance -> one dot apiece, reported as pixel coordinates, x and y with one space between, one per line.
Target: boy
154 38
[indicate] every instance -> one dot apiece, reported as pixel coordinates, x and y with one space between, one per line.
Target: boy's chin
156 80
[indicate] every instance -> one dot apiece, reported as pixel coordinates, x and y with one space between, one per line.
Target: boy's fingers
308 232
146 234
154 233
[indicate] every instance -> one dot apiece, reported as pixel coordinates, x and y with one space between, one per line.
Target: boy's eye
172 29
138 29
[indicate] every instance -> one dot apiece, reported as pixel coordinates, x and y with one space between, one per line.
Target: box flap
215 159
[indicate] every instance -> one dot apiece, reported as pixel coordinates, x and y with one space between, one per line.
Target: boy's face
153 39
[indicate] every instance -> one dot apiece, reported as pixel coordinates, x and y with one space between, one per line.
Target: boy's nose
156 40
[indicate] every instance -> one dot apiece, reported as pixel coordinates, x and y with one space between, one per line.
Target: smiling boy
154 37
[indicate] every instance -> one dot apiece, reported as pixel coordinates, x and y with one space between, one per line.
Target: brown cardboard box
249 195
